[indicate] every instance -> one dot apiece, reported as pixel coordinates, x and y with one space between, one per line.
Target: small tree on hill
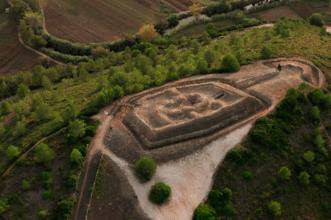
284 173
147 32
304 178
145 168
316 19
76 129
204 212
275 208
22 91
76 157
44 154
159 193
12 152
230 64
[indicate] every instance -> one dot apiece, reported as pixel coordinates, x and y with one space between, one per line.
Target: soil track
192 171
104 20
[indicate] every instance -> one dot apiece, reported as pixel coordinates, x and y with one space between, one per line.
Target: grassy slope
251 197
304 41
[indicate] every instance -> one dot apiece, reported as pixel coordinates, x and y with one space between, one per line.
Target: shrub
3 205
48 194
64 208
284 173
12 152
145 168
159 193
315 114
76 157
221 201
43 153
267 53
309 156
247 175
26 185
275 208
76 129
22 91
316 19
230 64
204 212
304 178
42 214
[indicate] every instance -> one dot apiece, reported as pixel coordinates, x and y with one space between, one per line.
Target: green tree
275 208
22 91
76 157
71 111
159 193
4 205
316 19
145 168
267 53
284 173
76 129
304 178
230 64
42 214
43 153
46 83
315 114
26 184
12 152
4 108
204 212
309 156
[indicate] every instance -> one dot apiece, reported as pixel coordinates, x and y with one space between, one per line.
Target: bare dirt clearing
188 165
104 20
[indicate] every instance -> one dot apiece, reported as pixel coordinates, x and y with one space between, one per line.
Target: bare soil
104 20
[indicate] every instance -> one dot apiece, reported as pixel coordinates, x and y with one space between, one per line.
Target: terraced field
13 56
105 20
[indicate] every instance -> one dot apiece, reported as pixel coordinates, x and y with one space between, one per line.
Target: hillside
225 118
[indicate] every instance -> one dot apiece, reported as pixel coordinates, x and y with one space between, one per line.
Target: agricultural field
13 56
105 20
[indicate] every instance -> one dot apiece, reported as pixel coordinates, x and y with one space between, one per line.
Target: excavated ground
188 126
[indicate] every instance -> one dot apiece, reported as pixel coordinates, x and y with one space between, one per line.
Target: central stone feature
186 111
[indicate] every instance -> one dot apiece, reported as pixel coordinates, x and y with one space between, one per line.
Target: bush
315 114
43 153
267 53
76 129
247 175
230 64
309 156
221 201
275 208
26 185
316 19
145 168
284 173
64 208
76 157
12 152
304 178
159 193
204 212
42 214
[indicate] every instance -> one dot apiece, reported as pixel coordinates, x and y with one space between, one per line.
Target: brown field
105 20
13 56
273 14
305 8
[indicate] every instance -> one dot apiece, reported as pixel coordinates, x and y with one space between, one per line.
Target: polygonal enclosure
188 110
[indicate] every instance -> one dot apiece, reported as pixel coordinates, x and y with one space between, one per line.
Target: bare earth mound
188 126
104 20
